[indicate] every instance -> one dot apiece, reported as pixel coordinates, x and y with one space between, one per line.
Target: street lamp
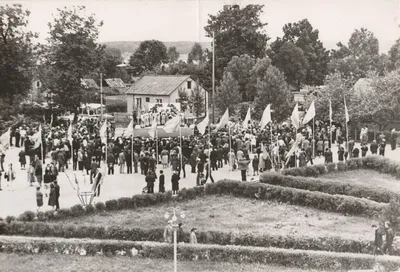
175 226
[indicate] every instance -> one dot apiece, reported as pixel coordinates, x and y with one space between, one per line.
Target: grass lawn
368 178
67 263
230 214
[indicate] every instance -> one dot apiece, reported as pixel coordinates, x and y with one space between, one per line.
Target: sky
184 20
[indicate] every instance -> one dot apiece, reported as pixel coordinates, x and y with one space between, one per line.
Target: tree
111 58
335 88
197 101
273 89
394 56
16 54
239 68
72 54
305 37
227 95
173 54
359 57
183 99
291 61
148 56
196 53
237 31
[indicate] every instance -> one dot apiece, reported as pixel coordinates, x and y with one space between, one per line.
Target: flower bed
330 187
286 257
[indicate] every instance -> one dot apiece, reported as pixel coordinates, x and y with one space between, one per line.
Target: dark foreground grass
67 263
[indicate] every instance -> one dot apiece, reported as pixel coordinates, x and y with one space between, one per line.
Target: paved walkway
19 196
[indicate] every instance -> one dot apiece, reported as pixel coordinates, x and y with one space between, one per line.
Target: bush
330 187
392 214
63 213
112 205
330 167
77 210
100 206
305 259
341 167
9 219
90 209
27 216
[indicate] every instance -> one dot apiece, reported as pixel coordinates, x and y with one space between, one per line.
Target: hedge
372 162
330 187
215 253
39 229
334 203
347 205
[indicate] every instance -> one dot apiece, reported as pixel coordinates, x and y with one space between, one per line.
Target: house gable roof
157 85
90 83
115 82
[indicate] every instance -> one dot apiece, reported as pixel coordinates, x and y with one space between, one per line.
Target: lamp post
174 218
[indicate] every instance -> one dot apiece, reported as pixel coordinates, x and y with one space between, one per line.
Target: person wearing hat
382 147
192 237
168 232
175 182
180 234
389 238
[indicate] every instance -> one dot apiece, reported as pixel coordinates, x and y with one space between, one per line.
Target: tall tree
394 56
237 31
196 53
16 53
240 68
73 53
197 101
111 58
273 89
228 95
173 54
291 60
305 37
148 56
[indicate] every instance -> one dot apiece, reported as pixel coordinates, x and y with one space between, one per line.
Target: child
161 186
255 164
39 198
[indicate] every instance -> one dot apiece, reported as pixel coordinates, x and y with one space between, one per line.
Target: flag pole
272 147
157 146
180 141
313 137
133 126
41 148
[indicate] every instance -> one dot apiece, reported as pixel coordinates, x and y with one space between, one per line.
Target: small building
114 86
161 90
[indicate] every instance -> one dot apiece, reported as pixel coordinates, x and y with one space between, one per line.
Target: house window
147 99
189 85
159 100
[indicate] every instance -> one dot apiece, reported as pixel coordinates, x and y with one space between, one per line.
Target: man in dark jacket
379 232
57 190
374 147
110 163
214 158
389 239
150 179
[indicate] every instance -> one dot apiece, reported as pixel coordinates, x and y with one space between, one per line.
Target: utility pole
101 97
213 79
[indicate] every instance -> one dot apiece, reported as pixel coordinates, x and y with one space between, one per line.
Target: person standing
328 156
320 147
135 162
175 182
80 159
208 169
355 153
389 239
57 192
161 182
128 160
341 153
243 165
22 159
351 147
150 180
231 159
39 198
17 137
180 234
93 169
52 197
393 138
110 163
364 150
97 179
382 147
168 232
255 163
164 158
121 162
192 237
373 147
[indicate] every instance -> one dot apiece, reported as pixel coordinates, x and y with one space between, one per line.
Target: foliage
291 61
228 95
394 56
329 187
111 58
173 54
336 88
183 99
196 54
237 31
359 57
240 68
272 89
72 54
197 101
148 55
305 37
16 55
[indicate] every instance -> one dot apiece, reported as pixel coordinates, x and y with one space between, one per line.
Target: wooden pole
213 78
180 142
313 137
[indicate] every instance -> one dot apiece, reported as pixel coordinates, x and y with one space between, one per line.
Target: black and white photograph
200 135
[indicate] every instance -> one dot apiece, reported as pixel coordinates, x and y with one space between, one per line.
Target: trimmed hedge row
39 229
286 257
373 162
330 187
333 203
347 205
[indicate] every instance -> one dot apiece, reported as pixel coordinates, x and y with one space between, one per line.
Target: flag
153 129
224 120
129 129
266 117
330 111
346 113
295 117
173 124
5 138
203 125
247 119
103 133
310 113
37 138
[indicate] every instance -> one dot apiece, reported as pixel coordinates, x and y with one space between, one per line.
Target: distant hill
128 47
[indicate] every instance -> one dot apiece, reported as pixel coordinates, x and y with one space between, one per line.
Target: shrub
321 169
112 205
49 215
27 216
341 167
89 209
100 206
392 214
125 203
9 219
63 213
330 167
77 210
